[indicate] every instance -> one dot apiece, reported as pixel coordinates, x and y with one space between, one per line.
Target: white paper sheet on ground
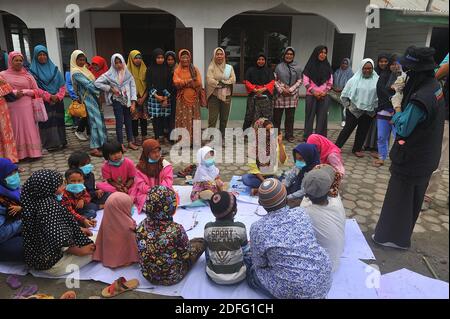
242 191
349 281
356 246
406 284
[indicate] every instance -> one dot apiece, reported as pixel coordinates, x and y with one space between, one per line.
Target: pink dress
143 183
25 130
119 174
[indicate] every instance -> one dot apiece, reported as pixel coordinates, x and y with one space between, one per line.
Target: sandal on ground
124 149
13 282
96 153
69 295
359 154
40 296
290 139
378 162
133 146
374 155
119 286
26 291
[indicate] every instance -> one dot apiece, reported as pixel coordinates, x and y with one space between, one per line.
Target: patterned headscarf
161 204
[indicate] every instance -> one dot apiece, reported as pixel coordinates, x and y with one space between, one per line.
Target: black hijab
259 75
158 75
318 71
381 56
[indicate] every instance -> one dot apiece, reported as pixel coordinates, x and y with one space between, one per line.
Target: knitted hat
223 204
272 194
317 183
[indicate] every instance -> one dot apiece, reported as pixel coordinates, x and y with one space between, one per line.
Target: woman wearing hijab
83 83
259 82
25 130
207 178
372 137
219 89
419 124
51 81
53 240
171 61
340 79
152 170
288 80
318 80
8 147
385 109
158 83
360 99
120 89
188 82
116 239
261 169
11 241
98 66
139 117
329 153
306 157
165 252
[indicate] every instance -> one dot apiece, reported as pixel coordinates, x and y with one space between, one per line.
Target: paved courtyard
363 192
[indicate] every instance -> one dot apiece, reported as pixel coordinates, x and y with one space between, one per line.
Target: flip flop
69 295
119 286
13 282
26 291
40 296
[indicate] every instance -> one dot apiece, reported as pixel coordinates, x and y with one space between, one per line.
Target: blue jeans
12 250
252 181
123 116
384 133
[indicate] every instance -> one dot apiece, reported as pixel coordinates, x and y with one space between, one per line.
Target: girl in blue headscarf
306 157
11 243
52 84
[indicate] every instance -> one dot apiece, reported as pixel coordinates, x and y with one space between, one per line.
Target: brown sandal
378 163
119 286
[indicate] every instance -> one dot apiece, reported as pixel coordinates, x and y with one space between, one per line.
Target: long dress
25 130
53 132
88 94
7 142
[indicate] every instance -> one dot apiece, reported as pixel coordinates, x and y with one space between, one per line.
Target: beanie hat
222 204
272 194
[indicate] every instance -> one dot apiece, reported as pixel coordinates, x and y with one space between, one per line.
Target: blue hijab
309 153
47 75
6 168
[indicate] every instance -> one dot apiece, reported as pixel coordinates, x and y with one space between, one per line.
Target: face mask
300 164
86 169
59 197
210 162
116 163
13 181
75 188
152 161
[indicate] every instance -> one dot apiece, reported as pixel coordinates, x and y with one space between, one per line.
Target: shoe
359 154
342 123
378 162
388 244
80 136
44 151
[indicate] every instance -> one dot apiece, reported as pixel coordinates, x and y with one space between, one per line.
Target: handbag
77 109
39 111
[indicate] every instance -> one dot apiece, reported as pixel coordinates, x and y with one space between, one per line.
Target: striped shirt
226 243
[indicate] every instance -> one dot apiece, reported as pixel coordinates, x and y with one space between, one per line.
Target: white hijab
205 173
119 78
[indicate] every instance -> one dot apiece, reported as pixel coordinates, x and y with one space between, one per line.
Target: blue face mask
13 181
210 162
300 164
116 163
75 188
59 197
86 169
152 161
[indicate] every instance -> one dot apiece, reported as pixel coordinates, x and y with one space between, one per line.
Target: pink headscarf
324 145
116 240
11 56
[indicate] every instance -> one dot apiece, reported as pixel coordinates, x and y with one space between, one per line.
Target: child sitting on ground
118 171
327 213
165 252
225 237
76 199
206 179
82 161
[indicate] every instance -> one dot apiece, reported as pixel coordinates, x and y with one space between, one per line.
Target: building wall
395 38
